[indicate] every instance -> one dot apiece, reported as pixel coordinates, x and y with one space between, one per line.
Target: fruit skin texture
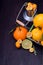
38 20
20 33
42 30
36 34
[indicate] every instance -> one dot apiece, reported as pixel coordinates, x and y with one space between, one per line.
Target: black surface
9 55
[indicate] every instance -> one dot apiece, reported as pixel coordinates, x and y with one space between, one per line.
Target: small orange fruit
17 44
29 34
31 50
34 7
38 20
20 41
42 43
36 34
20 33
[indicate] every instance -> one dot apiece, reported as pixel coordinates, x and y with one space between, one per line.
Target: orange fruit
42 43
34 7
31 6
17 44
38 20
31 49
29 34
20 33
42 30
36 34
20 41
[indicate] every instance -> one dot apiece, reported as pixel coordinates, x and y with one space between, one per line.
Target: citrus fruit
20 33
31 50
20 41
38 20
29 34
26 44
42 30
36 34
31 6
41 43
17 44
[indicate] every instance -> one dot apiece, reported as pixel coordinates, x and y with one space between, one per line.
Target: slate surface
9 55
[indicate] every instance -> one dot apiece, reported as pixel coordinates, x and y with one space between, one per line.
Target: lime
26 44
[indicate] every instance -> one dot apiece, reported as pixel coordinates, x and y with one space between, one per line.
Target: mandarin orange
20 33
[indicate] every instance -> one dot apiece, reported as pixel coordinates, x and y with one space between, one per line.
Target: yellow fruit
42 30
38 20
20 41
42 43
29 34
31 50
36 34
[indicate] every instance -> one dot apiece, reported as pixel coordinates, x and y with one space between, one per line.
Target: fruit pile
37 32
22 34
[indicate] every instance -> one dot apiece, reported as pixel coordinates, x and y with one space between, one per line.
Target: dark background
9 55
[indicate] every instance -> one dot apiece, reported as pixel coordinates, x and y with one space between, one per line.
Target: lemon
26 44
38 20
36 34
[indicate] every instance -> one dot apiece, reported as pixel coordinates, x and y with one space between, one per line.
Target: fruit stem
31 28
11 31
19 28
34 50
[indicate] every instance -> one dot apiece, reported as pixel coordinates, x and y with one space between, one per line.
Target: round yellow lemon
36 34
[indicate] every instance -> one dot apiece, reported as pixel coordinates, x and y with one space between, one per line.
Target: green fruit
26 44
